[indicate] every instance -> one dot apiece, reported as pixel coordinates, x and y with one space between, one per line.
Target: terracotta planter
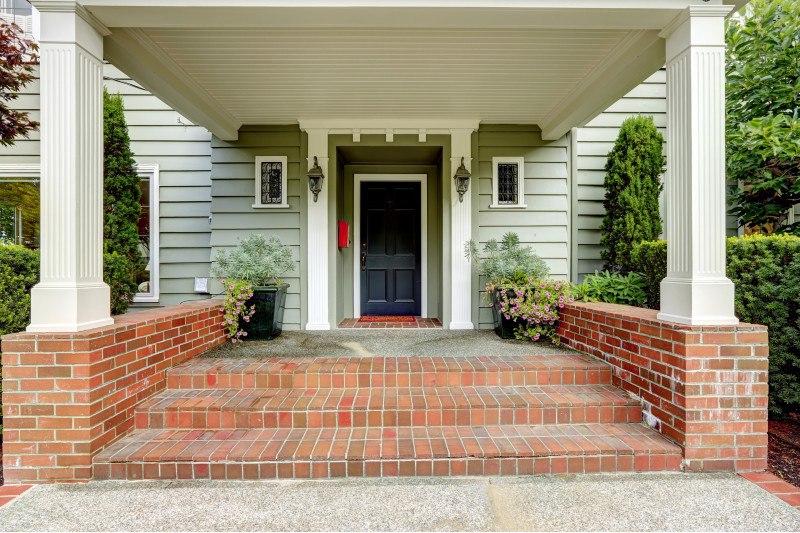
267 322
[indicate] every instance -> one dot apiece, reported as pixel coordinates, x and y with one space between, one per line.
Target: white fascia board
134 53
637 57
398 126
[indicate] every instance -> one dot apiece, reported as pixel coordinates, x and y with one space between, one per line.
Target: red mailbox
344 234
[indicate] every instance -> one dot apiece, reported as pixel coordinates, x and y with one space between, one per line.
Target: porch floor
368 342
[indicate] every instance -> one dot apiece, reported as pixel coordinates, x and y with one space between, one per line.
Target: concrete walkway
631 502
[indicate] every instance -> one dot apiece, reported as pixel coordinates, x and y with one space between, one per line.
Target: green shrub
766 272
650 260
118 275
506 262
632 188
19 272
612 287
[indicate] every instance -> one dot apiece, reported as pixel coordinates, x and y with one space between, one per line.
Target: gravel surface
381 343
622 502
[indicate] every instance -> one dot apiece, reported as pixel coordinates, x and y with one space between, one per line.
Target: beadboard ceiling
278 75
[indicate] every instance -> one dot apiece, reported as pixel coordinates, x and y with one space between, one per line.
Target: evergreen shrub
19 272
766 273
121 207
649 258
632 188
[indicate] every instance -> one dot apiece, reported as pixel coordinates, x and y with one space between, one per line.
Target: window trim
284 179
152 171
34 173
520 162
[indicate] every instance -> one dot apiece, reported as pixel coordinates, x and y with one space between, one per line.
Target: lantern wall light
315 179
461 178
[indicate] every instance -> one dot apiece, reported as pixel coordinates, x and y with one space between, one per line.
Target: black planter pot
267 322
503 326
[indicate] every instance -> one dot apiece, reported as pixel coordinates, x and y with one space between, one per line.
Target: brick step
382 407
356 452
346 372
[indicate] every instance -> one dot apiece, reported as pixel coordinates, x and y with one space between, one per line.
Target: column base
318 326
704 302
69 308
461 325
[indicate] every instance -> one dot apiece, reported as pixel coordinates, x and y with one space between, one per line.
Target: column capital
74 7
697 25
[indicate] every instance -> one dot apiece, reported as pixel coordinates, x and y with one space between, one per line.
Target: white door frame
358 179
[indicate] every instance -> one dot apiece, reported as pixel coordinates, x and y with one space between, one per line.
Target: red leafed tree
18 56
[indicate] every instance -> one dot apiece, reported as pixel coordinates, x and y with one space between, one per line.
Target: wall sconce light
315 177
462 180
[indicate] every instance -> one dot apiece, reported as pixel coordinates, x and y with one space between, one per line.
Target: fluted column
460 233
318 235
696 290
71 295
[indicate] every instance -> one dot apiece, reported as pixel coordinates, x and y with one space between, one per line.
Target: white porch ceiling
278 75
554 63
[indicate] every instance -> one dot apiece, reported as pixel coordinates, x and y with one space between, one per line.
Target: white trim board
358 179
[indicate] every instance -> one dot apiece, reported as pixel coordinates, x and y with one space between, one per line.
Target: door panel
391 274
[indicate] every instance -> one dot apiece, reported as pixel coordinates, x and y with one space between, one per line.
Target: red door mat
378 318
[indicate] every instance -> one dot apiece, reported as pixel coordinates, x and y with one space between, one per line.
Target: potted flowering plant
512 271
255 296
531 311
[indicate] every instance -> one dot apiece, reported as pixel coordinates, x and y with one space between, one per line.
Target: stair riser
258 380
243 419
390 468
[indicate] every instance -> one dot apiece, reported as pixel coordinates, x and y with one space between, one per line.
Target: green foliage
19 272
632 188
650 260
118 275
766 272
534 306
506 261
763 131
613 288
121 192
256 261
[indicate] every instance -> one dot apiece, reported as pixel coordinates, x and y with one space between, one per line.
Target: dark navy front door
389 249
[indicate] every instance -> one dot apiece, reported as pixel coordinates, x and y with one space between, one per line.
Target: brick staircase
441 416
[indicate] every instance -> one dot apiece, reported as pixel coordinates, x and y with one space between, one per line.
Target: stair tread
399 398
363 444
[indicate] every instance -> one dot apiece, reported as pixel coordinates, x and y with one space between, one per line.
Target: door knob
363 260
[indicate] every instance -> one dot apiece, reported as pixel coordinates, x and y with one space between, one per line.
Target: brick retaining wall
704 387
68 395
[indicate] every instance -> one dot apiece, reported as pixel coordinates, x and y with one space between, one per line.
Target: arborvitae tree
632 188
121 192
121 207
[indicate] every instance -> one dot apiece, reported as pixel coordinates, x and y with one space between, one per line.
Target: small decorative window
271 182
508 182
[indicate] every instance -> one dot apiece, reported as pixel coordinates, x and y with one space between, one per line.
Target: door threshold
418 323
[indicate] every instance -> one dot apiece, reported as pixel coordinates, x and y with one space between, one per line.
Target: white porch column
71 295
317 252
696 290
460 232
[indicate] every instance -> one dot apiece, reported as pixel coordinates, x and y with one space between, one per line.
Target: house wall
233 195
544 224
592 144
182 150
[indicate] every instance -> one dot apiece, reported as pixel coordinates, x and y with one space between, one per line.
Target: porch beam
636 58
696 290
133 52
71 295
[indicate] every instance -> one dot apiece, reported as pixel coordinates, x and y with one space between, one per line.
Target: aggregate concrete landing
640 502
385 343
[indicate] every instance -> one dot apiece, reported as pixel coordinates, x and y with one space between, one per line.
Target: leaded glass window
507 183
271 183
